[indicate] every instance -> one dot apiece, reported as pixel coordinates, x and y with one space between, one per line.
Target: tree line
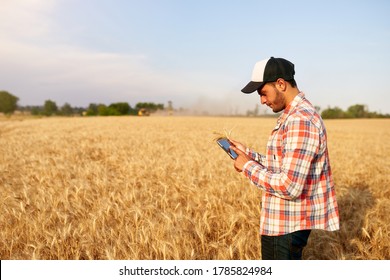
354 111
8 105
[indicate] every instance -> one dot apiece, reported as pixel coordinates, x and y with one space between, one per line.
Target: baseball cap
269 70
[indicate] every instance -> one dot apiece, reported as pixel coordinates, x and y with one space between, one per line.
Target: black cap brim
252 87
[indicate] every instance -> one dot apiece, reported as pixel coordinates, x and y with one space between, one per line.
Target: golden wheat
160 188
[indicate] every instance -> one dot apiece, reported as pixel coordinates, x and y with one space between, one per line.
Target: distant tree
92 110
133 111
66 110
8 102
50 108
121 108
114 109
333 113
102 110
35 110
357 111
78 110
151 107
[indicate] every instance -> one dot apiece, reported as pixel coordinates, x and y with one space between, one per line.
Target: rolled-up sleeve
256 156
301 142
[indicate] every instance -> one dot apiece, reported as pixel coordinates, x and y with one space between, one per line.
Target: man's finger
238 151
233 148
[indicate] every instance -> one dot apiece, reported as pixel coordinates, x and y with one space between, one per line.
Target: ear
281 84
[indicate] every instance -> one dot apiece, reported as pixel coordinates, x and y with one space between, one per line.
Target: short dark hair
293 83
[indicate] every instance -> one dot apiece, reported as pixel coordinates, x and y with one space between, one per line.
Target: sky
198 54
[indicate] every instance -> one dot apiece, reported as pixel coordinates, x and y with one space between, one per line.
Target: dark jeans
284 247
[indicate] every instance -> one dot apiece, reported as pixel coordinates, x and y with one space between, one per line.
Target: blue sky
197 54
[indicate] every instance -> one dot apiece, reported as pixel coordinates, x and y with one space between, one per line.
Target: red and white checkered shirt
295 174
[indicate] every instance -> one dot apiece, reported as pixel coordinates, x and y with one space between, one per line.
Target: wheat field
148 188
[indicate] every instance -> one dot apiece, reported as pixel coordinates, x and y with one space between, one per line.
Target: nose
263 100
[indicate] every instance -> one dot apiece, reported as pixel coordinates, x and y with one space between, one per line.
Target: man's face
272 97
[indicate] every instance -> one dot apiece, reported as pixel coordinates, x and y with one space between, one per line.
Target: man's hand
238 145
242 158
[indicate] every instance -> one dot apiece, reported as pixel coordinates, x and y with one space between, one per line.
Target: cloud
26 19
37 67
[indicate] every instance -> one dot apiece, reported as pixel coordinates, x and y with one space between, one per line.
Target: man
295 174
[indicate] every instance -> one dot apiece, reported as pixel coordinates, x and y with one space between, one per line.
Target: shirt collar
290 107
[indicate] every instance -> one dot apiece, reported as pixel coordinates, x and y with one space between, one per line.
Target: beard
280 103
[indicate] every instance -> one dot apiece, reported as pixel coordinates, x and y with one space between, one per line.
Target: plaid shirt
295 175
